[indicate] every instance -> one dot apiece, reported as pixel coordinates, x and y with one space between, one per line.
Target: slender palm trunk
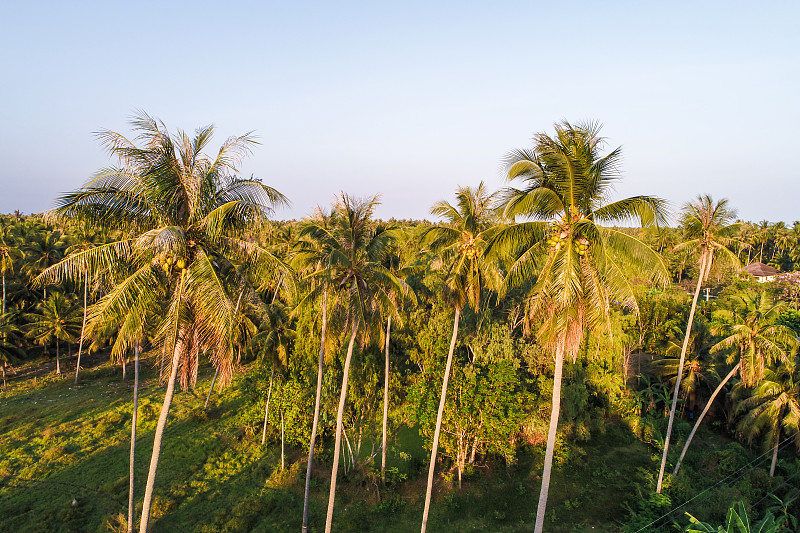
4 292
555 410
282 441
83 327
134 416
162 418
775 454
211 389
266 411
317 400
385 400
339 416
58 360
439 416
703 414
4 374
703 267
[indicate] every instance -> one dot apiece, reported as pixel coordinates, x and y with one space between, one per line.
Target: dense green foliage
64 447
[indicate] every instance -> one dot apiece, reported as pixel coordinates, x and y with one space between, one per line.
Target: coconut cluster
167 261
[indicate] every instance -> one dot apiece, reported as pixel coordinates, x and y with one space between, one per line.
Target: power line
758 459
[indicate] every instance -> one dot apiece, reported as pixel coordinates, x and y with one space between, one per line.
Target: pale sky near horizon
410 99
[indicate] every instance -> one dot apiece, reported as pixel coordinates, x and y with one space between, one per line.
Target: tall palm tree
754 340
460 245
181 217
311 261
577 264
9 351
84 244
709 227
45 249
394 262
272 347
697 369
56 320
8 253
771 407
353 248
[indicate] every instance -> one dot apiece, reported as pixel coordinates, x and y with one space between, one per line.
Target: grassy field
64 467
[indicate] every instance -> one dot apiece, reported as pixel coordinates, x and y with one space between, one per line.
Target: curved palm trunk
555 410
133 433
211 389
680 372
58 360
83 328
339 416
385 400
317 400
439 416
703 414
775 453
266 413
162 420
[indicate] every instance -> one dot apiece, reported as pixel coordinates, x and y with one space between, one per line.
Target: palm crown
578 265
182 217
461 244
750 333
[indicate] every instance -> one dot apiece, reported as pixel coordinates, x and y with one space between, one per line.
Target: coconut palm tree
697 369
709 229
350 250
8 254
312 260
56 320
84 244
10 352
44 247
271 345
460 245
753 340
577 264
771 407
394 262
181 216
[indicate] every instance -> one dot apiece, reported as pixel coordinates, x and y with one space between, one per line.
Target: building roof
760 270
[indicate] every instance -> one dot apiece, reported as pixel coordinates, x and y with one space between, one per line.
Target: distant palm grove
545 357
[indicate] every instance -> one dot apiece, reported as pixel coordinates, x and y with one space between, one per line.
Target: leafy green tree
460 245
181 217
710 229
577 265
753 339
485 410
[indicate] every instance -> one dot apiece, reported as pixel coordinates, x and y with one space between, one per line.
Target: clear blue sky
410 99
